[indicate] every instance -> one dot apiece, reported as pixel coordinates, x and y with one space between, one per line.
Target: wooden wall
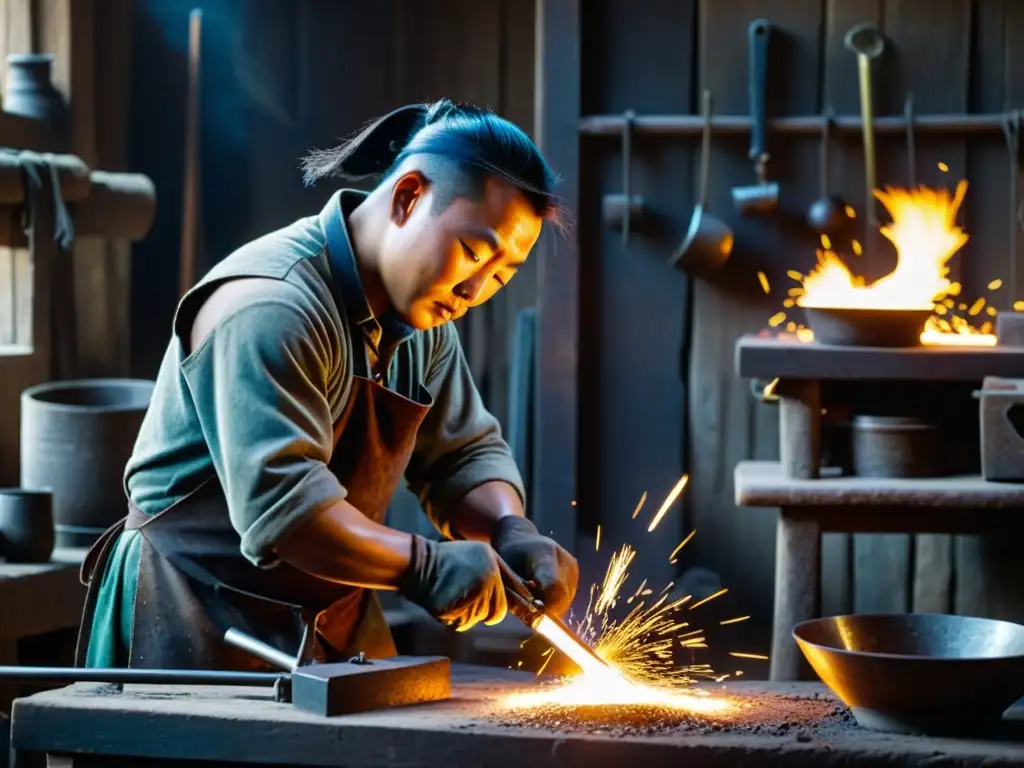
654 341
274 88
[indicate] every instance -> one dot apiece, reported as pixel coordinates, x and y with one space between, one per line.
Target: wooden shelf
766 358
763 484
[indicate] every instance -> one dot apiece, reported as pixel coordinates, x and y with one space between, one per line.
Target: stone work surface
779 725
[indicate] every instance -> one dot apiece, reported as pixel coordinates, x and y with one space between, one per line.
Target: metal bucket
895 446
76 438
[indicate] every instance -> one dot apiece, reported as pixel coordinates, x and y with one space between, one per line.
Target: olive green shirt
255 404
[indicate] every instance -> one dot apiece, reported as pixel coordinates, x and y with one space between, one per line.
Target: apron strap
345 281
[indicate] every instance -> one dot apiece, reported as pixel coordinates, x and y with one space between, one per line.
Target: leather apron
194 583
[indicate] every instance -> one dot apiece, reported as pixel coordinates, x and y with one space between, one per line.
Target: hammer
763 196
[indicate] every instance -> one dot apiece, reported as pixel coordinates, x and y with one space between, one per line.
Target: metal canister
895 446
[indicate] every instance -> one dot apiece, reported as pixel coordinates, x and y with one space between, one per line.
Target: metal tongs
526 607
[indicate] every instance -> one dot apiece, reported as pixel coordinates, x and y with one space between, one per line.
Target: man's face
436 265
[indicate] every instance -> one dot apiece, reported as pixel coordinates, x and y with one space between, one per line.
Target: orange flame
925 235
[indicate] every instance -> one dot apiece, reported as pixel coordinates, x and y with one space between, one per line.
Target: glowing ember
654 679
925 236
581 691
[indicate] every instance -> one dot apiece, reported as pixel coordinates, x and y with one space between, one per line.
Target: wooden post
800 428
797 592
557 117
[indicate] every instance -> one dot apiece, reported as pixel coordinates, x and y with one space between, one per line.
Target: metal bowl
844 327
918 673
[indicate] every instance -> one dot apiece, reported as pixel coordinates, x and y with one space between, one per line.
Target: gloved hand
535 558
457 582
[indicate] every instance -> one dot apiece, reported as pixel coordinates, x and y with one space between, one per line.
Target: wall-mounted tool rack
804 125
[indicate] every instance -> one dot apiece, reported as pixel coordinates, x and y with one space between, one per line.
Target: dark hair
472 137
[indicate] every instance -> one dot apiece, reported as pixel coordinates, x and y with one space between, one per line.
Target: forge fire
925 236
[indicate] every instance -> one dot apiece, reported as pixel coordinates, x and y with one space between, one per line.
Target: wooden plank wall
634 310
289 92
954 56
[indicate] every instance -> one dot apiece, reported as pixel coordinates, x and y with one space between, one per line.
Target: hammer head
758 198
865 40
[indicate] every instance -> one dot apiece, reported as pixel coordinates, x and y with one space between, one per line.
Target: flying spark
669 501
682 544
640 650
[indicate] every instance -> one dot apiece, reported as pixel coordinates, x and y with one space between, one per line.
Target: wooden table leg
800 427
797 591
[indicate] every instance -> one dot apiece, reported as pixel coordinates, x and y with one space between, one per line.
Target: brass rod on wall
804 125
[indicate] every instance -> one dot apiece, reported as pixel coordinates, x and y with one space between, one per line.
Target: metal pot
26 525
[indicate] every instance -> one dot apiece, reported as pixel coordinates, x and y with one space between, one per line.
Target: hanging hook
1011 131
908 113
628 119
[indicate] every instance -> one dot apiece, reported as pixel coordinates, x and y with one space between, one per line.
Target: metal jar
895 446
76 438
29 92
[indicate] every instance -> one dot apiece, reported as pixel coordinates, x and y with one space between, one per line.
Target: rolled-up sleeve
459 445
259 383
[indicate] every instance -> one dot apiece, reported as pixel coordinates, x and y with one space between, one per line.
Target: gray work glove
552 573
457 582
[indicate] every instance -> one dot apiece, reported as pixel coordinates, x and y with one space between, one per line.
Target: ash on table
801 718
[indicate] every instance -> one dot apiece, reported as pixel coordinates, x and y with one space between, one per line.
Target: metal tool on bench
357 685
331 689
763 196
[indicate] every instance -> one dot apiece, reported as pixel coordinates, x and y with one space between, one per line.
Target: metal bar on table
261 650
804 125
68 675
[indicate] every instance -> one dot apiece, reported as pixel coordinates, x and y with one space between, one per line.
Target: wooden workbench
91 725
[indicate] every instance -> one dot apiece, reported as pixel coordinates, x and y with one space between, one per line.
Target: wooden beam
557 117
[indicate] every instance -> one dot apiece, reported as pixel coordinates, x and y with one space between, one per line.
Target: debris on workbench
800 717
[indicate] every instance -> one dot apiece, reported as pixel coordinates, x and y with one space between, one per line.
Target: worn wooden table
810 507
37 600
91 725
